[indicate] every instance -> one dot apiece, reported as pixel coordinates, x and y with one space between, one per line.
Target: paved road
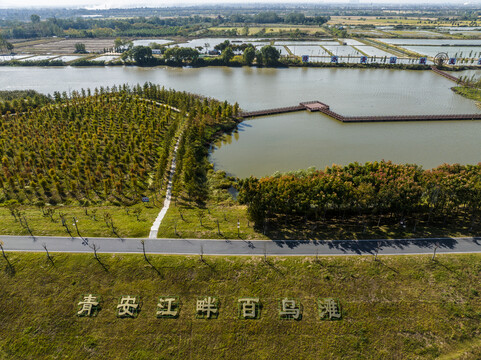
241 247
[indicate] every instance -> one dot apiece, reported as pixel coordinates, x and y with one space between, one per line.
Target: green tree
180 54
222 46
80 48
270 55
118 43
5 45
142 55
227 54
249 55
35 18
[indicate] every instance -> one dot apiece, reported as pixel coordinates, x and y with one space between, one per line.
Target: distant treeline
141 26
466 11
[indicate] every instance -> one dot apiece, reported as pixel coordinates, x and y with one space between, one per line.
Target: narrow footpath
168 195
155 227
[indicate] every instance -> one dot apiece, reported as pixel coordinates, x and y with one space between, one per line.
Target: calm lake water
299 140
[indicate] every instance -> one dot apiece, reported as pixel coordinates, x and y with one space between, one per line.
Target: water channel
300 140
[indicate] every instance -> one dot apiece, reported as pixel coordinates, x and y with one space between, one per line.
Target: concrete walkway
155 227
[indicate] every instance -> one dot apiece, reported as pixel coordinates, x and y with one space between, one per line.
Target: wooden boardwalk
445 74
282 110
325 109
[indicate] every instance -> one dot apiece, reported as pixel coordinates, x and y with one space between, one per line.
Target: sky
103 4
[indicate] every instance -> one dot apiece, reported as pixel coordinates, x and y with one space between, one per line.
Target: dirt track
63 46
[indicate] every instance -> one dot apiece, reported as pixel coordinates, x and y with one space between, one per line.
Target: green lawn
90 221
405 307
189 222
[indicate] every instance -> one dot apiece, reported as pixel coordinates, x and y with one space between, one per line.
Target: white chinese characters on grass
249 308
207 308
89 305
290 309
329 309
128 306
168 307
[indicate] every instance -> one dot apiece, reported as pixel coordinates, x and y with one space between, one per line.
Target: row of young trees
373 188
108 145
142 26
142 55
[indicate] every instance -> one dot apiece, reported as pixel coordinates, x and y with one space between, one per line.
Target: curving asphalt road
243 247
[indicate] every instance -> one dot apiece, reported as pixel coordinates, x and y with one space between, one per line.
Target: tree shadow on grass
382 263
271 265
10 270
211 266
437 262
102 264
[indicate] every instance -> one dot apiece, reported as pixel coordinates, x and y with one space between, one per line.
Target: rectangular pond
342 50
437 42
308 50
452 51
147 42
106 58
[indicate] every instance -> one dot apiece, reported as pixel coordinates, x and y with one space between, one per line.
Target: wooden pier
313 106
324 108
445 74
283 110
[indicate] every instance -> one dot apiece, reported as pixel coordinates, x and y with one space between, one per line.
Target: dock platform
317 106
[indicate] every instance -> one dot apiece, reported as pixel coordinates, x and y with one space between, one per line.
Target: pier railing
325 109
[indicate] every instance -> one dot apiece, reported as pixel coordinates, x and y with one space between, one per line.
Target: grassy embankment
469 92
399 307
184 222
91 221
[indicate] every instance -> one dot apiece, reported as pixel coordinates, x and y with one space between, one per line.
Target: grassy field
90 221
468 92
219 221
391 20
272 30
63 46
212 222
406 307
